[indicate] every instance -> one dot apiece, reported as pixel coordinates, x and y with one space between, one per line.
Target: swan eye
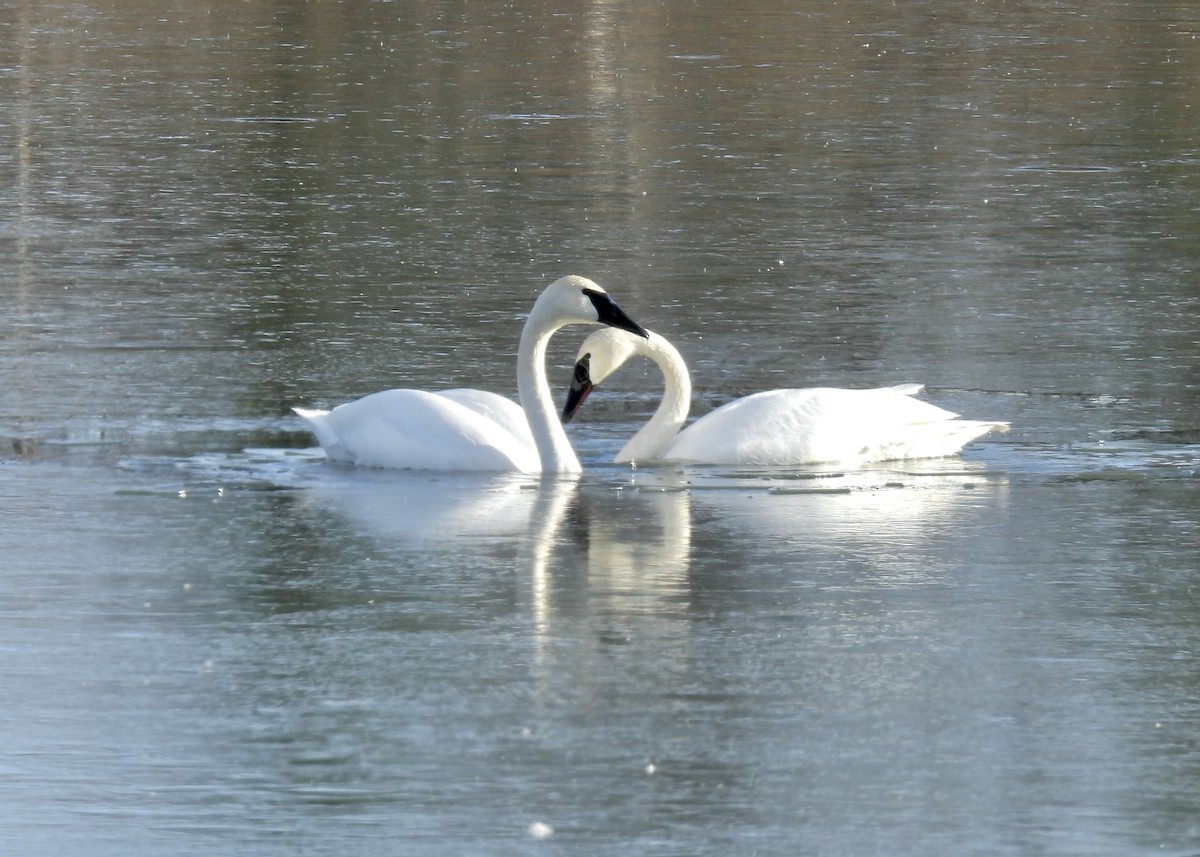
583 373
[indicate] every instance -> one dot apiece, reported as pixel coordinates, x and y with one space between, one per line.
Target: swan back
416 429
503 411
825 425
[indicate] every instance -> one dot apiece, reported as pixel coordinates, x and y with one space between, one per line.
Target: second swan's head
578 300
601 354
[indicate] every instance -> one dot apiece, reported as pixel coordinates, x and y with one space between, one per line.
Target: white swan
808 426
473 429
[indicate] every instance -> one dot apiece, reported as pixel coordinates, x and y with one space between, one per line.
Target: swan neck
658 432
554 449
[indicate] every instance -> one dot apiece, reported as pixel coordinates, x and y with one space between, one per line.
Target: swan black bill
609 313
581 386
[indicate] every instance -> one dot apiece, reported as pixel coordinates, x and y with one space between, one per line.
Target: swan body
463 429
417 429
791 426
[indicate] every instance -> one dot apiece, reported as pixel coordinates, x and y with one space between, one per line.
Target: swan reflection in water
593 566
597 564
886 514
620 543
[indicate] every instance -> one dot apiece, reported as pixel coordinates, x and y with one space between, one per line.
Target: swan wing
419 430
824 425
501 410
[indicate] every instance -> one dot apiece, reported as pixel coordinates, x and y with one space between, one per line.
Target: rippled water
213 642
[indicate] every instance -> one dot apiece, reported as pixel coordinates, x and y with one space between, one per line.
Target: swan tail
942 439
317 422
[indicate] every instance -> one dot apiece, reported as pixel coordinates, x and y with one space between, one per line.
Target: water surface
212 641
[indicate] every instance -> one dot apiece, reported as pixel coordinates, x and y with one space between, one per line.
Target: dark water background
210 642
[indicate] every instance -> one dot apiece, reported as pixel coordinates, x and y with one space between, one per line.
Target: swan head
601 354
578 300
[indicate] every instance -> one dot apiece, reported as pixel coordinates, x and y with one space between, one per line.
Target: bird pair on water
465 429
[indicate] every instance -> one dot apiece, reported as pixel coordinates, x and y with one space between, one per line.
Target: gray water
212 642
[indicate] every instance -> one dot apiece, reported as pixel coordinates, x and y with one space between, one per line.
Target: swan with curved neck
473 429
795 426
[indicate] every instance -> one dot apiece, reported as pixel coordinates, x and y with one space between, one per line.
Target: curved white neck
652 438
548 435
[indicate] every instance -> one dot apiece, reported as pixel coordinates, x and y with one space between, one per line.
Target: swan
465 429
799 426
